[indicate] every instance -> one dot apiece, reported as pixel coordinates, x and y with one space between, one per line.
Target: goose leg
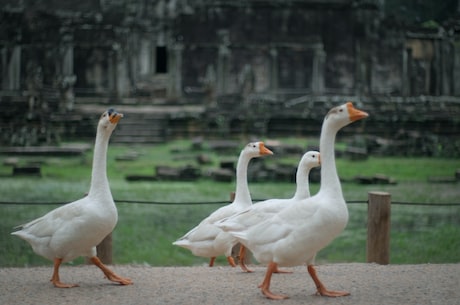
109 273
55 278
231 261
242 256
265 286
211 261
321 289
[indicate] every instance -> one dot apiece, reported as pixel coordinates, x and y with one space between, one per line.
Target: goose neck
302 185
242 190
99 181
329 178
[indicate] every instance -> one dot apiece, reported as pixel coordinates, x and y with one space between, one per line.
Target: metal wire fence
139 223
153 202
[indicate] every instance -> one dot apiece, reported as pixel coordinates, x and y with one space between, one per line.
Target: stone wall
261 67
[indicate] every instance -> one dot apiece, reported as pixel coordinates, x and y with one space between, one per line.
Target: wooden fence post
232 196
378 228
104 251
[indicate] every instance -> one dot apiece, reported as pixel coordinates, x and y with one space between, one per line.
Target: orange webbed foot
273 296
231 261
118 279
109 273
241 259
59 284
265 285
321 289
244 267
331 293
55 278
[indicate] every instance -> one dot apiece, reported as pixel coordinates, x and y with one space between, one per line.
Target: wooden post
232 196
104 250
378 228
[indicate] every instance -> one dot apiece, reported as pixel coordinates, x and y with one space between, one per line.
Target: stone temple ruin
220 68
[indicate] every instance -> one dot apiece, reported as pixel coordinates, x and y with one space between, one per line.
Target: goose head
109 120
310 160
256 149
343 115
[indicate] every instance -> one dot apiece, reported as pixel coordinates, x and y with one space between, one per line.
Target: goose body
70 231
207 239
296 233
264 209
75 229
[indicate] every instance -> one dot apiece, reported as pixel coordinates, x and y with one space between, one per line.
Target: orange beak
115 117
264 150
319 159
356 114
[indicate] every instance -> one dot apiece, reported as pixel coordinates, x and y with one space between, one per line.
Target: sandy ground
368 284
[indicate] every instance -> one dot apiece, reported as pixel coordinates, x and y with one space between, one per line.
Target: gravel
367 283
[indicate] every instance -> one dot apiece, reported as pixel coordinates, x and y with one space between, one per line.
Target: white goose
309 160
75 229
259 211
206 239
294 235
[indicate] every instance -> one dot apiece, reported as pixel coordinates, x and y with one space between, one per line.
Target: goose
75 229
295 234
262 209
309 160
206 239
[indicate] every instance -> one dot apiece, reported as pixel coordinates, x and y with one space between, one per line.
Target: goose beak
264 150
319 159
355 114
114 117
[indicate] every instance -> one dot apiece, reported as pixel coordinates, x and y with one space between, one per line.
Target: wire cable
215 202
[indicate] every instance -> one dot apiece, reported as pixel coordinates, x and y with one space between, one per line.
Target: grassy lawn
145 231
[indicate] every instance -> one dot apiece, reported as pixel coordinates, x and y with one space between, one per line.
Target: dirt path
368 284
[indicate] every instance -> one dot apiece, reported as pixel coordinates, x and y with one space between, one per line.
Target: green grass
145 232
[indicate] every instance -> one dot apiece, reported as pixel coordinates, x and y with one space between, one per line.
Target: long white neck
99 181
329 178
242 194
302 186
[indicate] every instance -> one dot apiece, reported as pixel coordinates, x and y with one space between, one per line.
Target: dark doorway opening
162 60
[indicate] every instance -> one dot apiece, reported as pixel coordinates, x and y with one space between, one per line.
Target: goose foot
331 293
231 261
55 278
273 296
111 276
241 258
321 289
59 284
265 286
244 267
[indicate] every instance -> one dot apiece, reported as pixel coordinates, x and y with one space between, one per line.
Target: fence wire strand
216 202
